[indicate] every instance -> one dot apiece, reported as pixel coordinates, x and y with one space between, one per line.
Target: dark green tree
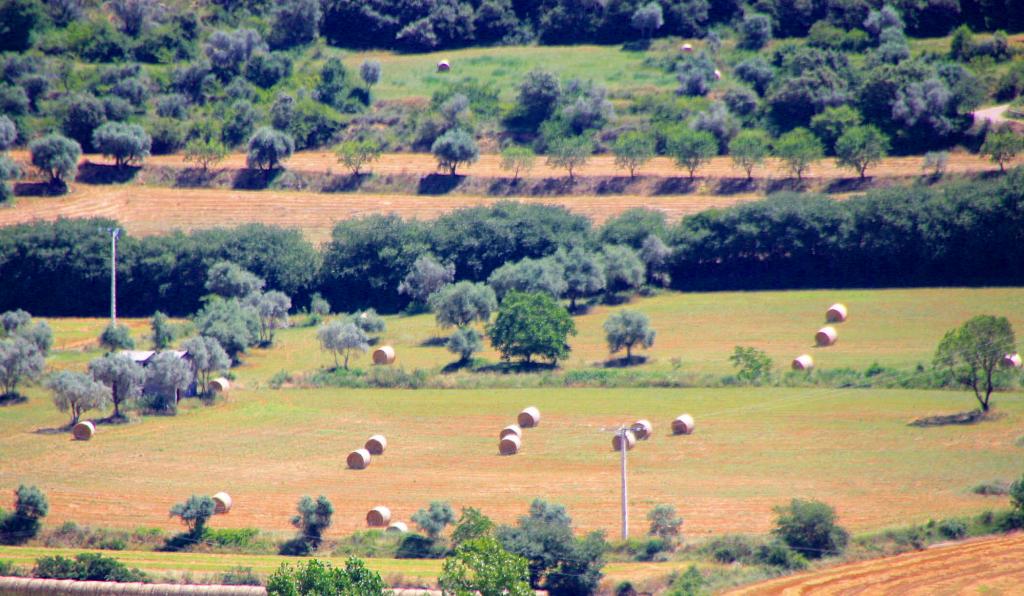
195 513
531 325
809 528
22 524
972 352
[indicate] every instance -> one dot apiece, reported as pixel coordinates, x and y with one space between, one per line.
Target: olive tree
426 276
655 254
205 152
458 305
972 352
167 376
1002 146
465 342
117 337
570 153
312 520
235 326
626 329
647 19
517 159
583 273
633 149
121 375
23 524
208 358
228 280
454 148
529 275
355 154
20 360
860 147
162 332
692 148
434 519
342 337
56 156
370 71
272 309
126 143
77 393
665 523
623 268
195 513
749 148
268 148
798 149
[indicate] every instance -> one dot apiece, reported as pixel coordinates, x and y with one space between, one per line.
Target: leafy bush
416 546
87 567
316 577
809 527
239 576
22 524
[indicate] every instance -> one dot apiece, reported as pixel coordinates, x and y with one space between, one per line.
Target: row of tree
959 233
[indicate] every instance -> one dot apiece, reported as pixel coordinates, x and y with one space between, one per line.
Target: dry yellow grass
986 566
147 211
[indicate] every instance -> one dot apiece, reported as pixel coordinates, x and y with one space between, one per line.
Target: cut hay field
146 211
985 566
753 449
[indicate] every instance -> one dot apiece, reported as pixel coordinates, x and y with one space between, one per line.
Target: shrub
755 31
483 566
313 518
809 527
415 546
665 523
320 578
87 567
22 524
731 548
117 337
754 365
778 554
239 576
952 529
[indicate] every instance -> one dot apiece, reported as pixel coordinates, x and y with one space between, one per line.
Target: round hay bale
687 48
358 459
718 75
1013 361
378 517
384 355
683 425
509 445
826 336
511 429
643 429
444 66
221 503
376 444
803 362
836 313
529 417
630 441
83 431
220 385
399 527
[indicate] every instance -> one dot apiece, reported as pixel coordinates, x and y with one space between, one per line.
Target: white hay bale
718 75
803 362
221 503
630 441
83 431
358 459
836 313
1013 360
399 527
509 445
687 48
220 385
529 417
443 66
643 429
384 355
683 425
376 444
378 517
826 336
511 429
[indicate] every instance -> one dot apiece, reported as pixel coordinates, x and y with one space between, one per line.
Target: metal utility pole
625 489
114 233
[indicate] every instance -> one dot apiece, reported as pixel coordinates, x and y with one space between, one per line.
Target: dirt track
984 566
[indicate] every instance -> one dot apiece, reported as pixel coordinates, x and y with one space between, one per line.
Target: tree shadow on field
732 186
639 45
456 366
553 186
95 173
849 184
194 178
40 189
349 183
12 399
501 187
960 418
614 186
506 368
434 342
250 179
439 184
52 431
676 185
785 184
624 362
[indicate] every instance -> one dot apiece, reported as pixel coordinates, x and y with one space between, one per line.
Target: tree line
958 233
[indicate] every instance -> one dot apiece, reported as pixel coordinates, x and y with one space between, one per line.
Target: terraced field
987 566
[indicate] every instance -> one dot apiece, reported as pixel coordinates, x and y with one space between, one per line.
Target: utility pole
114 233
625 489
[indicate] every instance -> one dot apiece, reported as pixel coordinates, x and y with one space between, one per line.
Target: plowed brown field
147 210
986 566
